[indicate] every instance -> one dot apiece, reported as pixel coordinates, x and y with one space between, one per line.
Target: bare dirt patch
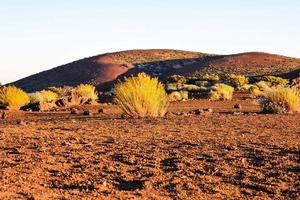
210 156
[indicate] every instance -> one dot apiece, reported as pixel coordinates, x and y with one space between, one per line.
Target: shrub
178 95
13 97
171 87
275 81
86 92
255 91
221 91
211 77
203 83
44 96
142 96
236 80
177 79
191 88
281 100
262 85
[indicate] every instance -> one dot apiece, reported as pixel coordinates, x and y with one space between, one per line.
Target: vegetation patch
142 96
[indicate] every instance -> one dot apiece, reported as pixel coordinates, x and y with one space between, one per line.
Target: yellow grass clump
13 97
142 96
44 96
221 91
178 95
281 100
87 92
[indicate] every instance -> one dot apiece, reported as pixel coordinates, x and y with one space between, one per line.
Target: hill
106 69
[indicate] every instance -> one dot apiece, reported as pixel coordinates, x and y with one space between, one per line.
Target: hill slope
104 70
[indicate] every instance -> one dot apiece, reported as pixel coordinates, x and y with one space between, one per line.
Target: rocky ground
227 154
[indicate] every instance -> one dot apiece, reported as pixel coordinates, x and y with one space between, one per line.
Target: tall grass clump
221 91
142 96
87 92
13 97
44 96
281 100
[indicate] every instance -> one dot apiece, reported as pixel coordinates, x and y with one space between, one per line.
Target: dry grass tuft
281 100
87 92
13 97
142 96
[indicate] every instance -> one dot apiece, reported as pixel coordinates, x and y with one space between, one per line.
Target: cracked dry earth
213 156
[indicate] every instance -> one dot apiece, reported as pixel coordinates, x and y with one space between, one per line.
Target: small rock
20 122
238 113
3 115
101 110
74 111
198 111
237 106
170 114
87 113
4 107
209 110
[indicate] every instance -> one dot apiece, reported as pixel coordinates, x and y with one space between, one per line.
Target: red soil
213 156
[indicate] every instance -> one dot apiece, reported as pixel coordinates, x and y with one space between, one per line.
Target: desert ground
228 153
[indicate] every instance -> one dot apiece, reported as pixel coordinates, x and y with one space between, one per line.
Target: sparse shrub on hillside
177 79
87 93
44 96
262 85
142 96
255 91
13 97
275 81
221 91
191 88
211 77
178 95
246 87
281 100
236 81
172 87
203 83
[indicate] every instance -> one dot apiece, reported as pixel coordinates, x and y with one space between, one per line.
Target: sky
36 35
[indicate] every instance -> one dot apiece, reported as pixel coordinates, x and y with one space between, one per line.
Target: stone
74 111
208 110
87 113
3 115
101 110
4 107
237 106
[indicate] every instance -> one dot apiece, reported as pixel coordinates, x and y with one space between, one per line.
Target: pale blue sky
36 35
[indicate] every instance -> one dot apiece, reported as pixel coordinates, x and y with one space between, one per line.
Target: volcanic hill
106 69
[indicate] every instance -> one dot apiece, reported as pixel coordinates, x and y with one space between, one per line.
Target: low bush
263 85
221 91
211 77
255 91
142 96
281 100
236 81
275 81
172 87
13 97
86 92
44 96
178 95
177 79
191 88
203 83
